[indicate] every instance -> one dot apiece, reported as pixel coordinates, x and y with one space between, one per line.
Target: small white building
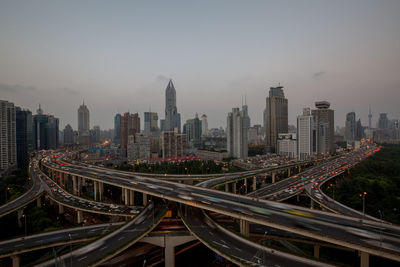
287 145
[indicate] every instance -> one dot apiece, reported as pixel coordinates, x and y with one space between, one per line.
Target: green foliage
379 176
184 167
255 150
13 185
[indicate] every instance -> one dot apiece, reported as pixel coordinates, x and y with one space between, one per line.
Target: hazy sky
119 55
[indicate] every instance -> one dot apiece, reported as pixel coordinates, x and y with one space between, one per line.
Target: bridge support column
254 183
288 172
273 177
227 187
144 199
298 198
234 187
79 216
20 212
244 228
60 209
312 204
316 251
95 190
39 202
245 185
169 252
364 259
79 189
132 198
15 260
100 186
126 195
74 185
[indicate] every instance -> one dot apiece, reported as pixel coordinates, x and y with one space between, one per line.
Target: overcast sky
119 55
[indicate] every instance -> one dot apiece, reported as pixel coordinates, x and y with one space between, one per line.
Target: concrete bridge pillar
95 189
60 209
312 204
245 185
79 189
254 183
288 172
15 260
298 198
79 216
19 213
234 187
126 194
144 199
100 186
227 187
169 252
122 194
39 202
299 168
244 228
364 259
316 250
75 185
273 177
132 198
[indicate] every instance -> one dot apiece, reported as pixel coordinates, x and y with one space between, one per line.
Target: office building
45 131
350 126
95 134
204 125
172 144
117 129
383 122
192 128
151 123
287 145
369 118
83 125
306 135
138 147
324 126
172 117
245 110
276 117
236 133
68 135
8 144
24 136
130 125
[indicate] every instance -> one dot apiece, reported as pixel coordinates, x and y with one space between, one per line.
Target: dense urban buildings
350 126
236 134
130 125
172 117
173 144
306 135
24 136
151 122
8 146
324 125
276 117
193 130
138 147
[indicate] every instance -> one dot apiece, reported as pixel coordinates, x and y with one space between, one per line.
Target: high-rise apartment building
24 136
45 130
95 134
192 128
245 110
117 129
172 144
172 117
236 133
276 117
68 135
306 135
383 122
130 125
151 122
8 145
324 125
287 145
138 147
204 125
83 125
351 126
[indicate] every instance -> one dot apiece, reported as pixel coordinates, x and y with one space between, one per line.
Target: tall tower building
306 135
236 134
350 126
83 119
245 109
192 128
117 129
172 117
45 130
24 136
130 125
8 145
204 125
68 135
324 126
276 117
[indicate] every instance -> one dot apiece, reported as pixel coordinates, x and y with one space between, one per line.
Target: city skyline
344 53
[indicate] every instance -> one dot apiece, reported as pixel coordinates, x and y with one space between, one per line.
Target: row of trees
184 167
379 177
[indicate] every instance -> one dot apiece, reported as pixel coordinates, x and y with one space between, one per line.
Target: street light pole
70 250
363 198
24 216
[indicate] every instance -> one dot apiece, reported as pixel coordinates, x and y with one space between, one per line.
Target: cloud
14 89
162 78
318 75
69 91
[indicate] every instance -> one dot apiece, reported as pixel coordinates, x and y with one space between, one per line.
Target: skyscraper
236 133
68 135
45 130
369 118
8 147
172 144
151 122
324 126
351 126
306 135
130 125
117 129
83 125
172 117
245 109
276 117
204 125
383 122
192 129
24 136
